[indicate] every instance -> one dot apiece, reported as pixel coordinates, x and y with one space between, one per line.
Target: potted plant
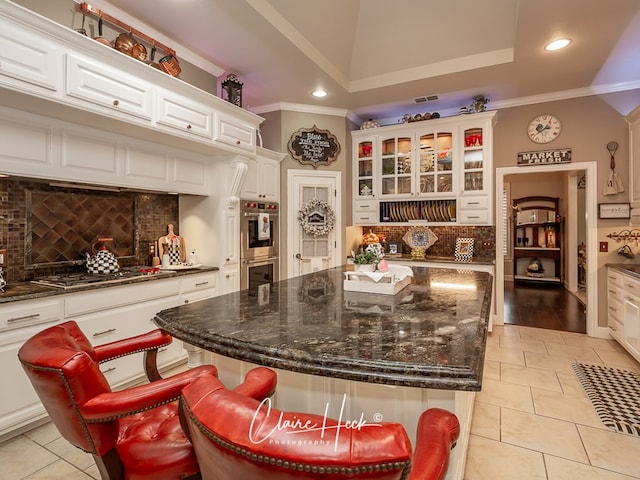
365 261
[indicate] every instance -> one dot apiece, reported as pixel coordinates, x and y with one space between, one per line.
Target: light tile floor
532 419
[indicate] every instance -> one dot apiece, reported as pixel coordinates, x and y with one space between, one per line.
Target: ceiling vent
426 98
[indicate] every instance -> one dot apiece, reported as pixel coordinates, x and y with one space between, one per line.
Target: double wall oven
259 243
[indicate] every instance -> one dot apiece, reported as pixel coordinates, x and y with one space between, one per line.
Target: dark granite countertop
432 334
29 291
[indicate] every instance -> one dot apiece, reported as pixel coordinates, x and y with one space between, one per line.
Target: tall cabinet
537 240
432 171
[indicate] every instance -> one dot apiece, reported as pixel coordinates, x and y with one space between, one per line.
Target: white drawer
360 218
631 285
473 216
615 309
471 203
366 206
32 312
196 282
230 132
109 298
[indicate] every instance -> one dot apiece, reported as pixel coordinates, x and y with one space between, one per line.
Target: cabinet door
435 173
250 189
229 280
98 84
632 325
396 166
189 174
184 115
634 162
363 174
474 160
28 62
269 179
230 131
231 239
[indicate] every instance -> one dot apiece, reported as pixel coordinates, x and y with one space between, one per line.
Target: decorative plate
420 237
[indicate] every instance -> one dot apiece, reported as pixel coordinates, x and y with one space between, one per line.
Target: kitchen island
351 354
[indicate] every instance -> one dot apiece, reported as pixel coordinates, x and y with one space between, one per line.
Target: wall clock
544 128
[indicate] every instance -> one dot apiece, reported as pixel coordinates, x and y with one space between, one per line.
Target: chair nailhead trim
300 467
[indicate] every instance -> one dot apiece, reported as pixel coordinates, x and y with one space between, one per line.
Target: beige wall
277 129
588 124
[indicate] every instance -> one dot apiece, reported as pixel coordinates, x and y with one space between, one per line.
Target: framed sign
544 157
614 210
313 146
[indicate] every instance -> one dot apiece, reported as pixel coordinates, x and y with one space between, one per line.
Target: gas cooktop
81 279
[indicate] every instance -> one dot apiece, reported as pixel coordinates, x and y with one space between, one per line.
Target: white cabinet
615 305
97 84
114 313
623 305
29 62
184 115
18 322
234 133
229 280
198 287
262 182
434 171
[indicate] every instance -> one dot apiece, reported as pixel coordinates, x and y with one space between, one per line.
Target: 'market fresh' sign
544 157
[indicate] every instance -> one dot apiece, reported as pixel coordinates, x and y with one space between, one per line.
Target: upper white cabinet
184 115
29 62
120 92
263 177
42 58
234 133
435 171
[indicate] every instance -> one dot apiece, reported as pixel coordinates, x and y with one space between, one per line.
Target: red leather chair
132 434
235 437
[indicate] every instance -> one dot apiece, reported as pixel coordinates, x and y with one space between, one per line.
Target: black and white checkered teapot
102 262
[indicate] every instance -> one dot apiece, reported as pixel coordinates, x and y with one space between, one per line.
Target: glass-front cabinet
431 163
473 179
435 163
396 161
363 172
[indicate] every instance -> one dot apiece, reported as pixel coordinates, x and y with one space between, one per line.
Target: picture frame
614 210
394 249
464 249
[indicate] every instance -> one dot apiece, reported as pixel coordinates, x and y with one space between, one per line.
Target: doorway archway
591 235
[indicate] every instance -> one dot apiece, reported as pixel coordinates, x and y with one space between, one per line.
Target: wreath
322 208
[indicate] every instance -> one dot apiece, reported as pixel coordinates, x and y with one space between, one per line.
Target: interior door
311 252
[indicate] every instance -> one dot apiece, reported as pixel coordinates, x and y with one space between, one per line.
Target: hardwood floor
543 306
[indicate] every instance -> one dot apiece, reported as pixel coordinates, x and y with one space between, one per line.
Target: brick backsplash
151 214
484 245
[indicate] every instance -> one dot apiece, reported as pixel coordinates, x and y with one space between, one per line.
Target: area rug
614 393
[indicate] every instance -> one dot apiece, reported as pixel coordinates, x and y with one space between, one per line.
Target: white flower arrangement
324 210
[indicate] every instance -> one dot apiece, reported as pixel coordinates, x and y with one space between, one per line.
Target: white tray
387 285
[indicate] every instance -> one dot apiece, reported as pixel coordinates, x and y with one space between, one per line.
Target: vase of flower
365 261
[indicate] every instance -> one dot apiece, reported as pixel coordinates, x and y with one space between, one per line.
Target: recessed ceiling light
319 93
557 44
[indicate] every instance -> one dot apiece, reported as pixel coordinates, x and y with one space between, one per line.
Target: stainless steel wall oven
259 243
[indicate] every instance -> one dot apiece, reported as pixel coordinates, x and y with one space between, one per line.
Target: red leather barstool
133 434
239 437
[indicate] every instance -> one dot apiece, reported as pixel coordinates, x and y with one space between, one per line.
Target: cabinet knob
237 142
116 103
186 301
227 259
188 127
228 276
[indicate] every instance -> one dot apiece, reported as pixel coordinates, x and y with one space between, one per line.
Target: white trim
300 107
591 205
